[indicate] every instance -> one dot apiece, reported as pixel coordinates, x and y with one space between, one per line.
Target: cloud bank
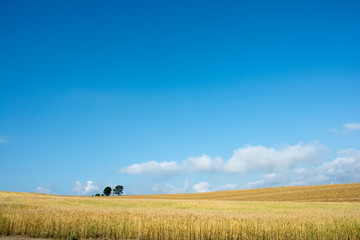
187 187
343 169
85 188
289 165
259 158
246 159
352 127
169 188
152 167
347 128
201 187
42 190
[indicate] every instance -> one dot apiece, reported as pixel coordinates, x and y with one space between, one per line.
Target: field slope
311 212
317 193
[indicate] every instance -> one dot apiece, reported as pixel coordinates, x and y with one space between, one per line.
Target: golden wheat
318 193
64 217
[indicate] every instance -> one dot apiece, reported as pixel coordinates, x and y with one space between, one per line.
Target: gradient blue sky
178 96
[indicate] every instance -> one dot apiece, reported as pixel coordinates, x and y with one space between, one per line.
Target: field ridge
349 192
272 213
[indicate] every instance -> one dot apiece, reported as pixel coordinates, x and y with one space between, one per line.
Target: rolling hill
316 193
306 212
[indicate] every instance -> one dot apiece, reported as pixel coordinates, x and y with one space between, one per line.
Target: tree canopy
107 191
118 190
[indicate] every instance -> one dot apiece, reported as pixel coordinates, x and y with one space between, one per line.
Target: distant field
274 213
317 193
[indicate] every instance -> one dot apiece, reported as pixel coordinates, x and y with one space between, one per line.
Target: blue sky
172 97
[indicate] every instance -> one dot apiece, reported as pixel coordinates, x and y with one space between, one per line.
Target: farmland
316 193
309 212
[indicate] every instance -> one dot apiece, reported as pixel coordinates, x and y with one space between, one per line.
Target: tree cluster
118 190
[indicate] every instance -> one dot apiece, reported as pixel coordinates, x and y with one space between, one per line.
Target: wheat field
184 216
316 193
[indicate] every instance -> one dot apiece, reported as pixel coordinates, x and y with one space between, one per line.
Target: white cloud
166 189
347 128
78 187
169 188
87 188
343 169
186 188
228 187
201 187
152 167
259 158
203 164
352 127
186 185
3 139
280 167
245 159
42 190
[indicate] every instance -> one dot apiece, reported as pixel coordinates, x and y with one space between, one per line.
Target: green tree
118 190
97 195
107 191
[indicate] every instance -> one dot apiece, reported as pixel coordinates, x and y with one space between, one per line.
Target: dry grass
47 216
317 193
